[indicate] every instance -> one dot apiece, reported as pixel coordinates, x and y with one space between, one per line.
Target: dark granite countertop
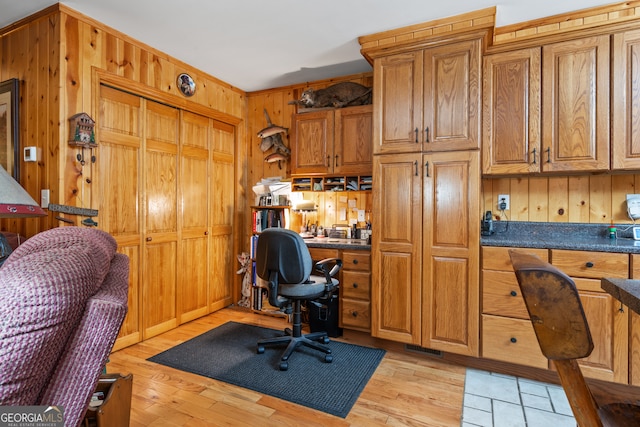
574 236
331 243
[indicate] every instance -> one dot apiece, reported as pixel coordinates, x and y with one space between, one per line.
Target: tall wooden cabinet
425 245
429 99
155 174
425 252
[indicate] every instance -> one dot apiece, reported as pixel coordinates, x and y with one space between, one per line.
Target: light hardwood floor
407 389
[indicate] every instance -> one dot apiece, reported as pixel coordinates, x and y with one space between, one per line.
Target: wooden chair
563 333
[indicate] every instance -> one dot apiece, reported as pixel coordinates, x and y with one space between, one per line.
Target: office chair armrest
329 267
275 299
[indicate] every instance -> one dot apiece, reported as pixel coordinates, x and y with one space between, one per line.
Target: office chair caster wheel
260 349
284 366
328 358
325 340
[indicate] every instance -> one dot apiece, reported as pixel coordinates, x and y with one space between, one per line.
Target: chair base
308 340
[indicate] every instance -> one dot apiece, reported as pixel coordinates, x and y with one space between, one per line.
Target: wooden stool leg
584 407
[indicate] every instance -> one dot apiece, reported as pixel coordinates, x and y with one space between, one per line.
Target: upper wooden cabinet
333 141
625 105
511 112
546 109
429 99
575 105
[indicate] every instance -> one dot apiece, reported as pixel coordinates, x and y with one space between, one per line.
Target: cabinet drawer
359 260
511 340
355 314
318 254
497 258
356 284
593 265
501 295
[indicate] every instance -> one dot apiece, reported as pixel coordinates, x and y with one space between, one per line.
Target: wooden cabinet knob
355 285
148 239
355 261
589 264
354 313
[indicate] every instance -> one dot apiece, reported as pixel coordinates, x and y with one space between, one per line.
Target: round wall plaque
186 84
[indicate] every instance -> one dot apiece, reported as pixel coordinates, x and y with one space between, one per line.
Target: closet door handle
426 169
535 153
336 162
416 135
548 150
415 164
426 134
328 161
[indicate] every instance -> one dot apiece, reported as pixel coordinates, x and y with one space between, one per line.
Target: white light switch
44 198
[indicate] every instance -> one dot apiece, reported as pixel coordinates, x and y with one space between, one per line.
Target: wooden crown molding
583 21
415 35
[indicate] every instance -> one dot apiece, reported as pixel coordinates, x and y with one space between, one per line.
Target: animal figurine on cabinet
339 95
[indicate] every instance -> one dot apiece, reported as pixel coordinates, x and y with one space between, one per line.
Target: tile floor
496 400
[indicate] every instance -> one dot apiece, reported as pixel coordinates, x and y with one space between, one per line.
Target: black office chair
283 260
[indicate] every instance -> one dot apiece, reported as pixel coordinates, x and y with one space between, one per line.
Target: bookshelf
264 217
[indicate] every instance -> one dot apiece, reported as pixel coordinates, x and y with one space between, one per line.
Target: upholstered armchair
63 297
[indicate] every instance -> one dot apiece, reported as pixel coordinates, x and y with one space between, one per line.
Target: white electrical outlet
503 199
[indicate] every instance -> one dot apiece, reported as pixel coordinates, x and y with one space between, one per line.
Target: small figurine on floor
245 263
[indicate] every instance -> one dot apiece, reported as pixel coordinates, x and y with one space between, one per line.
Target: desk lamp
15 202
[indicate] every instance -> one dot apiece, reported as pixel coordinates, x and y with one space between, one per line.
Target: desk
626 291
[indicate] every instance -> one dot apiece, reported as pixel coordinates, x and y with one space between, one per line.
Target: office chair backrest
283 251
554 307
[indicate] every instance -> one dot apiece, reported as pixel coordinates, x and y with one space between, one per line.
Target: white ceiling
259 44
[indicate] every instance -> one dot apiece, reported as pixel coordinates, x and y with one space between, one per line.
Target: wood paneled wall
276 102
55 53
597 199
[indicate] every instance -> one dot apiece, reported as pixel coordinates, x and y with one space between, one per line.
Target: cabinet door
119 194
353 150
222 262
452 98
575 106
160 218
397 100
396 248
451 252
609 327
193 256
511 112
625 106
312 150
634 332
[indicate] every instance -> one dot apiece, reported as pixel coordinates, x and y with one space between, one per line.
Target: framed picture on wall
9 142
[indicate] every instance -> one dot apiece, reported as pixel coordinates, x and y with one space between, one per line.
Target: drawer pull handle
355 261
355 285
513 340
589 264
354 313
514 294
